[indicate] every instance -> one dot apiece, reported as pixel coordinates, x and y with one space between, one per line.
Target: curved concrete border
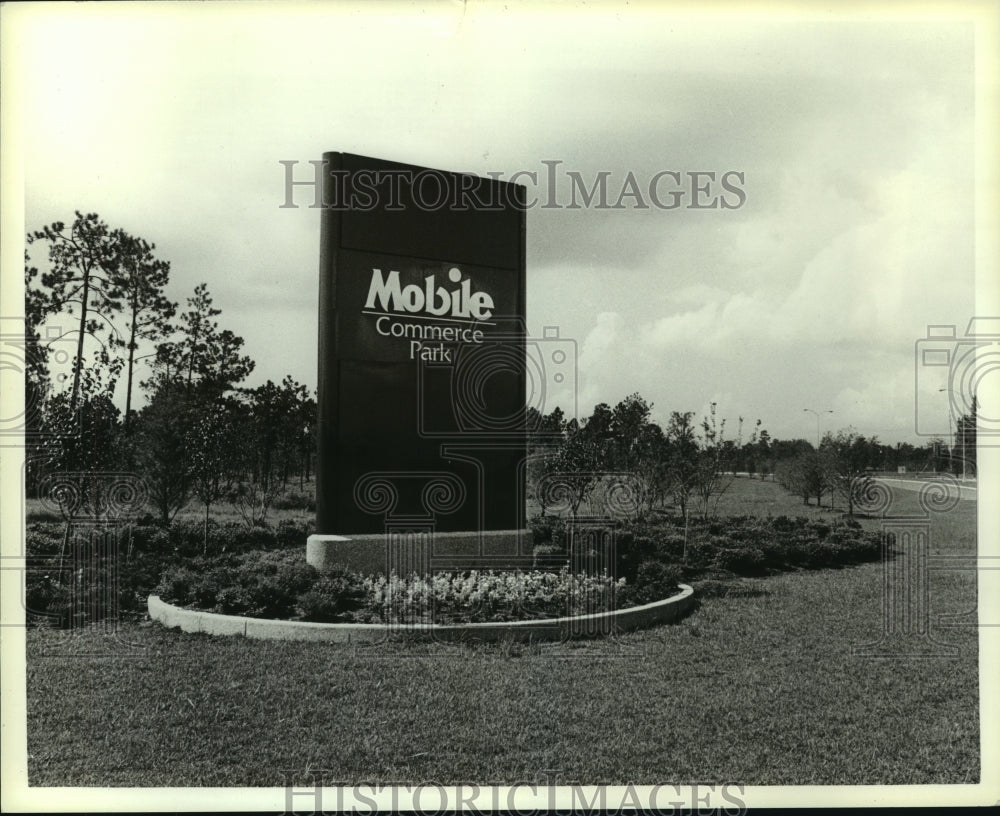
602 623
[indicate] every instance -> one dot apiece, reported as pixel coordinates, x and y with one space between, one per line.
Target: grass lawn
759 688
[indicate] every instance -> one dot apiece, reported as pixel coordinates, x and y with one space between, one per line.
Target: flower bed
282 585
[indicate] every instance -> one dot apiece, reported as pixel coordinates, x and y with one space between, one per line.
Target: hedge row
744 545
74 577
184 538
259 584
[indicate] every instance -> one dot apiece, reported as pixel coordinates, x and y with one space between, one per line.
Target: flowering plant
488 595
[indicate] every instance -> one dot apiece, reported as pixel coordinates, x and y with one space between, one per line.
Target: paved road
967 490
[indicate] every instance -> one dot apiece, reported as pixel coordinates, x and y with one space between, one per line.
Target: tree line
689 465
570 461
200 432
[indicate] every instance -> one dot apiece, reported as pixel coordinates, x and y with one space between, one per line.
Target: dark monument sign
421 350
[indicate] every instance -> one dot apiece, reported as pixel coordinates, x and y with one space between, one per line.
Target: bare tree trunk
79 341
684 555
131 363
204 548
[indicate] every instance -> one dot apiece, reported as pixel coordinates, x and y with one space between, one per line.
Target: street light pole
816 414
951 431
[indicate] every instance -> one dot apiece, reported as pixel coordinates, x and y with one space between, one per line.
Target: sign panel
422 349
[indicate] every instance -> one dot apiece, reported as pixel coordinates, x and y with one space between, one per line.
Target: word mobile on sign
428 302
462 302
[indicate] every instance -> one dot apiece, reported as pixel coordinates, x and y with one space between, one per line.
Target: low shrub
548 556
293 533
265 586
660 518
83 575
295 577
178 585
745 560
744 545
137 578
548 530
147 555
670 546
784 524
43 539
700 554
331 597
260 598
632 549
295 500
153 539
230 600
46 600
187 538
654 581
259 584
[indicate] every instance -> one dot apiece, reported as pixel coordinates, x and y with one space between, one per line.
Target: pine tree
80 280
138 283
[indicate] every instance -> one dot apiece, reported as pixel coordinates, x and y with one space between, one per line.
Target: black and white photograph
469 406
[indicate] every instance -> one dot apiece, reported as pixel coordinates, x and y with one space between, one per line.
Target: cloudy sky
856 140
